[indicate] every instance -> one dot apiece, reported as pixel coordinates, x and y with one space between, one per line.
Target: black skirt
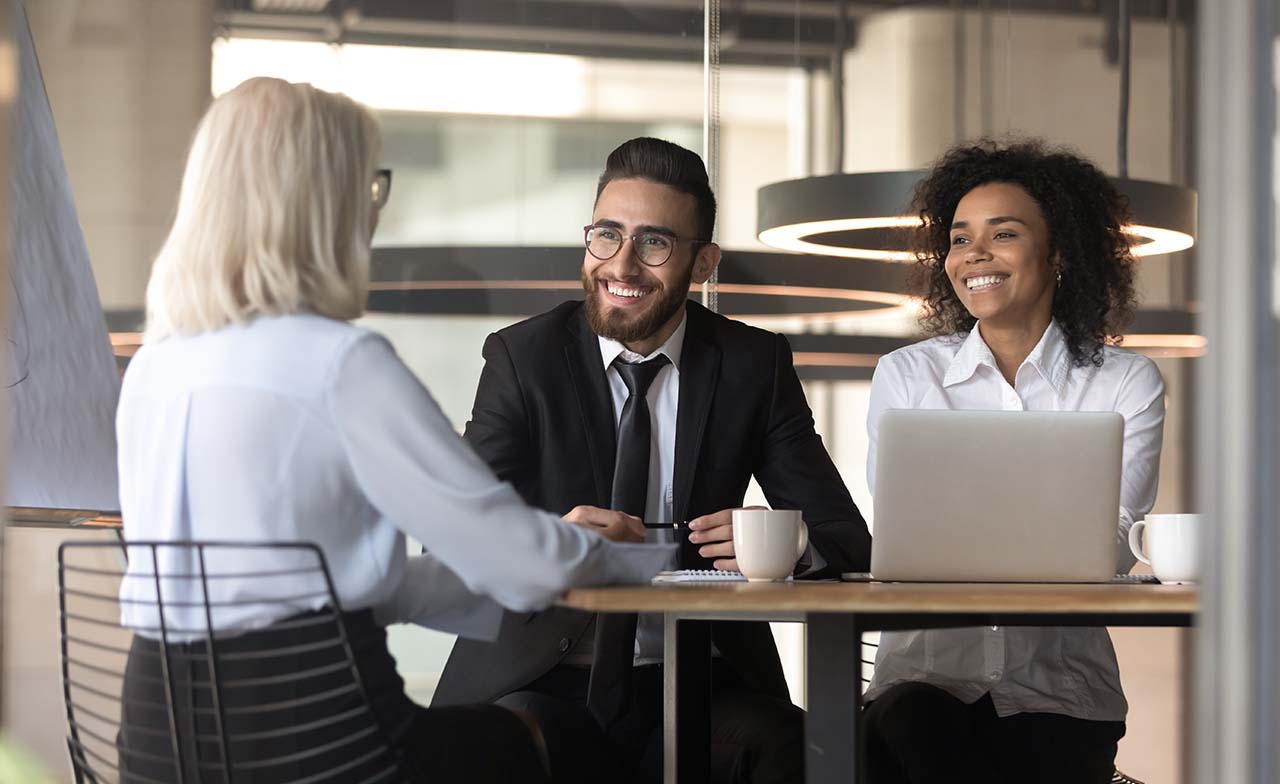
294 712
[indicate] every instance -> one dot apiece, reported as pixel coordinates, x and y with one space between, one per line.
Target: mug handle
1135 541
803 540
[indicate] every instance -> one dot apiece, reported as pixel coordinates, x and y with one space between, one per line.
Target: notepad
699 576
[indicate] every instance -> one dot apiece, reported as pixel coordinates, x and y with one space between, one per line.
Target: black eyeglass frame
586 239
380 188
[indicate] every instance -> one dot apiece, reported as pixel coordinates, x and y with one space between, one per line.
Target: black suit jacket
544 421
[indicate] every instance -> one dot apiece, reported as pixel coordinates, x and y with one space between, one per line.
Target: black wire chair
154 695
869 650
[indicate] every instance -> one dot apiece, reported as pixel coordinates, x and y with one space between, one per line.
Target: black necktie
610 682
631 467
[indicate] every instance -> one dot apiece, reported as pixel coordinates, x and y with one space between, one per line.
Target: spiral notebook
699 576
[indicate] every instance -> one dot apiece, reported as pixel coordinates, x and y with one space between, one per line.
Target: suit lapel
582 356
699 371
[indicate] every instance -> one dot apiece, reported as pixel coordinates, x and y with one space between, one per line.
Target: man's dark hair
1085 214
668 164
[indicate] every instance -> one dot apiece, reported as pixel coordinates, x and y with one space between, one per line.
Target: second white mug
1168 544
768 542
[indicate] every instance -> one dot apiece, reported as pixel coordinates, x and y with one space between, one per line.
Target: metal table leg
686 719
834 694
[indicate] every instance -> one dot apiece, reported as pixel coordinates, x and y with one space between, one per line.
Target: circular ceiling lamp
866 215
1165 334
523 281
831 357
835 357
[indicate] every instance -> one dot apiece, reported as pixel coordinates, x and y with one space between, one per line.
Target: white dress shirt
1070 671
304 428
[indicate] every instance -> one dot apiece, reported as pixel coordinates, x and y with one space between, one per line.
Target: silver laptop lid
997 496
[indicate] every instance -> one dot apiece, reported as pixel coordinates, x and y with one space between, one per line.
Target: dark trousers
755 738
920 734
287 727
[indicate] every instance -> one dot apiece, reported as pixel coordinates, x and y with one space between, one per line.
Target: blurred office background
497 116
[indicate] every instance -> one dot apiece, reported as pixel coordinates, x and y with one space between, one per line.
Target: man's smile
625 294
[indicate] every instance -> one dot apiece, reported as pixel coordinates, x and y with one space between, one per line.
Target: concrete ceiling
765 32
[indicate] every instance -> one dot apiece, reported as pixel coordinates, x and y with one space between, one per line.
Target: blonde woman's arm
420 474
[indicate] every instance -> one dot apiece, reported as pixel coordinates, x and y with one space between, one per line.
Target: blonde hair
275 213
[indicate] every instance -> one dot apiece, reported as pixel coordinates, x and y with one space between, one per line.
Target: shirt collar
611 349
1050 358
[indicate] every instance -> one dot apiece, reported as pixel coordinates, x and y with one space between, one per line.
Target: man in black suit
640 404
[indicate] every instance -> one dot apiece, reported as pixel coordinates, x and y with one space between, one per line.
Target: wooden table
836 615
32 517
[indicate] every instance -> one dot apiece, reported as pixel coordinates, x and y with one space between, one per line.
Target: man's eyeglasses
652 248
381 187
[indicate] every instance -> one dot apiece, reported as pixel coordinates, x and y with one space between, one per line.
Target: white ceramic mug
768 542
1168 543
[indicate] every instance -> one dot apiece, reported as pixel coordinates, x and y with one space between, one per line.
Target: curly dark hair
1095 299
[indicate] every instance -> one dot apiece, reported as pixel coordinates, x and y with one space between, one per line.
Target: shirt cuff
810 561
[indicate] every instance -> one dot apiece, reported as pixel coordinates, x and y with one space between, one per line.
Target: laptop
997 496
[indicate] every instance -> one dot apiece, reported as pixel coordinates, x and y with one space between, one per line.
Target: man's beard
625 328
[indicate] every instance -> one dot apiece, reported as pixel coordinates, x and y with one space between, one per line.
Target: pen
672 526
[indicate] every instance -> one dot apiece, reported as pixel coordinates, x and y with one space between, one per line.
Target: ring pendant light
865 215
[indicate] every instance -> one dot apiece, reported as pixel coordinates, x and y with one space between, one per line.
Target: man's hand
715 533
614 526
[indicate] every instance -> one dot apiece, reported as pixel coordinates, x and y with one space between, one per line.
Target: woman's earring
1059 277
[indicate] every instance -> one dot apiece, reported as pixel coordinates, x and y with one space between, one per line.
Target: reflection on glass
465 180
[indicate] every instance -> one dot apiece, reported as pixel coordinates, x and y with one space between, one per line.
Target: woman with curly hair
1027 282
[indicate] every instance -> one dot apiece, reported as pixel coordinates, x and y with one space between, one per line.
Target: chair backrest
869 647
212 662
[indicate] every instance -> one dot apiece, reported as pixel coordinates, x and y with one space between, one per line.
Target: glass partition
497 117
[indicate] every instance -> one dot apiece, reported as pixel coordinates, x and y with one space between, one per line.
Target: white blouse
303 428
1069 671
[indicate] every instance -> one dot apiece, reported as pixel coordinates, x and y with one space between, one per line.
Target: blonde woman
255 412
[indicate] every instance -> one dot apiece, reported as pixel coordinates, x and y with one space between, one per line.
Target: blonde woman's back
230 435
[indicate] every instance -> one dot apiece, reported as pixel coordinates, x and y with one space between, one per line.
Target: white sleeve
888 390
1140 400
423 477
431 594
